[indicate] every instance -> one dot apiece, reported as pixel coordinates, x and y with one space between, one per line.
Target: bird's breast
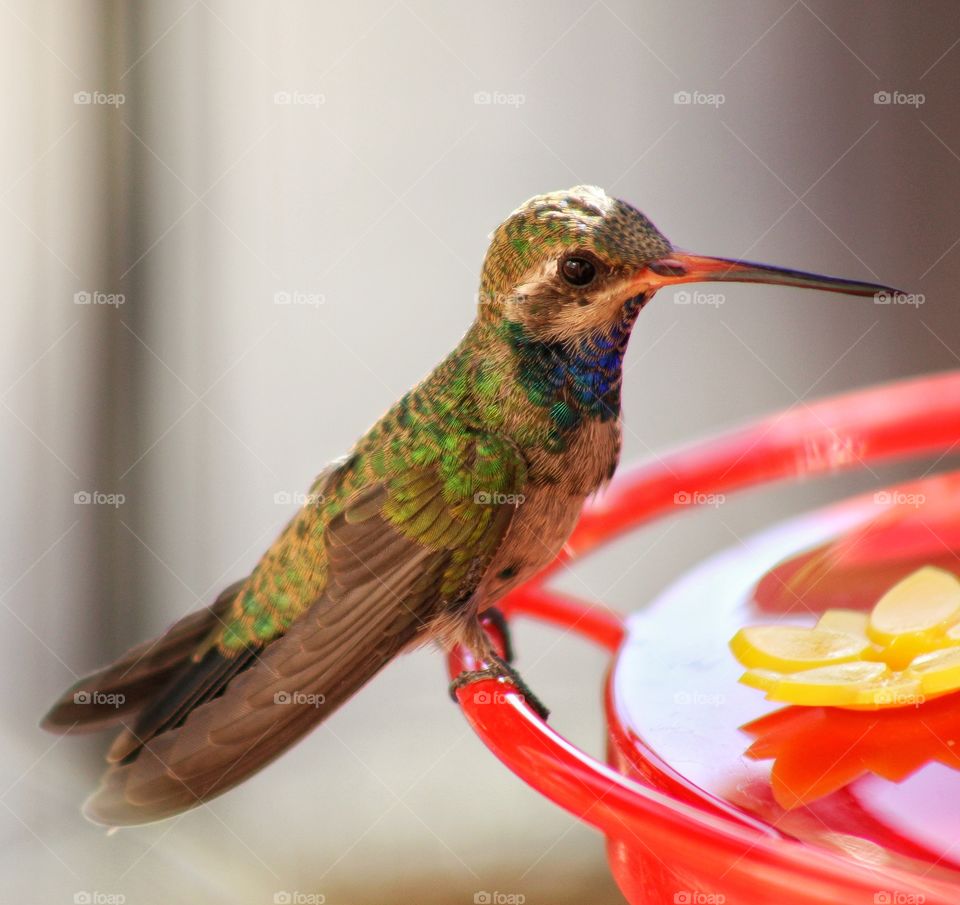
549 508
588 460
540 528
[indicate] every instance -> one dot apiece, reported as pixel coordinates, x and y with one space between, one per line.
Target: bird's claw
499 670
469 677
496 618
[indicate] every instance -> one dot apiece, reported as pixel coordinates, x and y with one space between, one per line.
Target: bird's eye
577 270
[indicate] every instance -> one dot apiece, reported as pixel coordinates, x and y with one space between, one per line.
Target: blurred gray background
353 159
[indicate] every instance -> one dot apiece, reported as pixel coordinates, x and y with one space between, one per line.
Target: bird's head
568 265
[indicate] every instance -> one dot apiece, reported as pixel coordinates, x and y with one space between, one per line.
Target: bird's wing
399 549
123 688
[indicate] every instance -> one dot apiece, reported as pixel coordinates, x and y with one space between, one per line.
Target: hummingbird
468 486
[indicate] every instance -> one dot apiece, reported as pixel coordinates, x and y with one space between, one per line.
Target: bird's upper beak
681 267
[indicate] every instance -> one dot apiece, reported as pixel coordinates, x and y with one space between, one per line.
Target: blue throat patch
574 380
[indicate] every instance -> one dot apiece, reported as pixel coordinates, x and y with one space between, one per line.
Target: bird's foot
499 669
495 617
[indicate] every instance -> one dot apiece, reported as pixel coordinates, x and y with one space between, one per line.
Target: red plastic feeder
806 817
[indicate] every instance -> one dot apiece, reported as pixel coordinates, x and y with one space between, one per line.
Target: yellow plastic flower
905 651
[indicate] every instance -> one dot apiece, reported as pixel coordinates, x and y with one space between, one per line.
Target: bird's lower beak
680 267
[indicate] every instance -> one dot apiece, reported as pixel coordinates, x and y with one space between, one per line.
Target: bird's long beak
680 267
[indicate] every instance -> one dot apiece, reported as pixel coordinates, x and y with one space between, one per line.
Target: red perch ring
670 840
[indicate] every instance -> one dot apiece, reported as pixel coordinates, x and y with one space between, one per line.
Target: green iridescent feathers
448 473
465 434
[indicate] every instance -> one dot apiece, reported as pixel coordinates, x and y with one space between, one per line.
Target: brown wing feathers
197 724
213 727
194 684
122 689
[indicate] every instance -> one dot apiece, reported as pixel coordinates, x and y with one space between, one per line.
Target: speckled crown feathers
584 216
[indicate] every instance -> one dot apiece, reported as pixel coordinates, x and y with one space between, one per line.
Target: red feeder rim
911 418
